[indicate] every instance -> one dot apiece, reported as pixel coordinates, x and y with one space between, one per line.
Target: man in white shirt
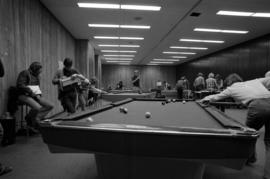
256 97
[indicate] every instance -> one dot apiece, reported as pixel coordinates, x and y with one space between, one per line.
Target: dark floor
31 159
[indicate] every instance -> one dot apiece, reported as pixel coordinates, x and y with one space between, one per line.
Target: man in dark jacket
3 169
29 93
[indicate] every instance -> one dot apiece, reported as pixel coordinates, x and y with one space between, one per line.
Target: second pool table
176 141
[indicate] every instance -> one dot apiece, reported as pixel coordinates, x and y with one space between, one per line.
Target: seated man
29 93
256 97
119 86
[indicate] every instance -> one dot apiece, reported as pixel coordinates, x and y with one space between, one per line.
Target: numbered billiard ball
147 114
184 101
163 103
174 100
125 110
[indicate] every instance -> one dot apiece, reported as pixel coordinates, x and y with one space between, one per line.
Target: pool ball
89 119
184 101
125 110
169 100
163 103
147 114
174 100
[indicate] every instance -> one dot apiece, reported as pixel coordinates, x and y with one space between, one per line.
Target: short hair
267 74
35 66
233 78
211 75
200 74
68 62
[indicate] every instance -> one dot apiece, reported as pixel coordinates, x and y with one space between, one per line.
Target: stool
23 130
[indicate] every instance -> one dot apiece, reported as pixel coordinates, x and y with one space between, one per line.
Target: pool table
122 95
175 142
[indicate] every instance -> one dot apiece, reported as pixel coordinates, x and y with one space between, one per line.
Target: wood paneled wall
98 70
112 74
250 60
29 32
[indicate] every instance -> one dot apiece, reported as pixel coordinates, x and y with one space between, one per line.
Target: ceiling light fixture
138 7
191 48
119 51
162 62
118 58
221 31
119 6
99 5
120 26
172 60
112 45
184 53
234 13
118 55
204 41
246 14
178 57
121 38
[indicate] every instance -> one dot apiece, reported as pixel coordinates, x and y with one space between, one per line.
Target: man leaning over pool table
256 97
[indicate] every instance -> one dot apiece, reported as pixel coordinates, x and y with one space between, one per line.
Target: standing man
3 169
67 94
199 83
136 81
29 93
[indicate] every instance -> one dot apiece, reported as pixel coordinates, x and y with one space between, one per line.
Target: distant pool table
176 141
122 95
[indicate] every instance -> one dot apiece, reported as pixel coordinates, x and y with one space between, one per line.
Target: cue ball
147 114
125 110
89 119
184 102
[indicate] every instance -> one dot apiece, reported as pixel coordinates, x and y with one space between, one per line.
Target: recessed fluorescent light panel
190 48
221 31
184 53
169 60
111 45
234 13
203 41
246 14
121 38
178 57
119 51
120 26
162 62
112 55
99 5
119 6
119 59
142 8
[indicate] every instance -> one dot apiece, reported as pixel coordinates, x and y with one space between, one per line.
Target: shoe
252 159
5 169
